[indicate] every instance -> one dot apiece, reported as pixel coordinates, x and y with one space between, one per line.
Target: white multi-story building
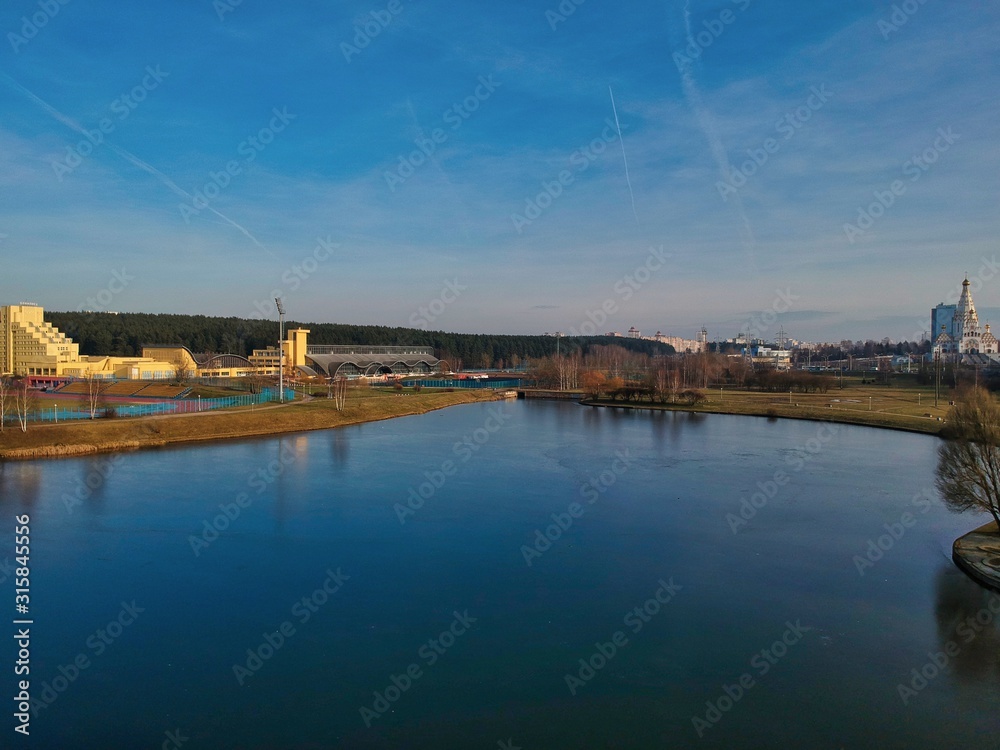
681 345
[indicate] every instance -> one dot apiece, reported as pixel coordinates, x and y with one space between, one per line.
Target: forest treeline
124 334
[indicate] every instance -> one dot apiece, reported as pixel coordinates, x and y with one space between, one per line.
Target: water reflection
89 489
340 449
287 452
20 482
968 615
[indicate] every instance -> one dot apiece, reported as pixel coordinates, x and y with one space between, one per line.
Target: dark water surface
467 644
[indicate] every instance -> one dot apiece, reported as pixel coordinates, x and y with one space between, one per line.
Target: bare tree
5 398
24 402
256 381
340 393
568 368
593 383
94 396
182 368
968 470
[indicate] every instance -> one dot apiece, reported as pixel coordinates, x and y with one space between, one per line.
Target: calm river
520 575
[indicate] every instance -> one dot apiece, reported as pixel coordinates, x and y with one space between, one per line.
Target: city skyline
376 160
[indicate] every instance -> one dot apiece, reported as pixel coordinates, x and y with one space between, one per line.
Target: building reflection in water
21 483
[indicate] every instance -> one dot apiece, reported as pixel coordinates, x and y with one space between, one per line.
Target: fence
156 408
505 384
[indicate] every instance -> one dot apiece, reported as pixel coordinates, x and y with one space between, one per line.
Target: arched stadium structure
371 361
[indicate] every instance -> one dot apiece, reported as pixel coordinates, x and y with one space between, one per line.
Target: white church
956 334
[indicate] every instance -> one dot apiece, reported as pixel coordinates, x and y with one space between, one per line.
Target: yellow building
207 366
293 351
30 346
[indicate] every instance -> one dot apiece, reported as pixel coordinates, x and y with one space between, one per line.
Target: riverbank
113 435
978 554
810 406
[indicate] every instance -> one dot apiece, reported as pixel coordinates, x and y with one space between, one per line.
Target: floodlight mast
281 349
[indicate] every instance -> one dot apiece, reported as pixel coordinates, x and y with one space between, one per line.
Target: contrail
628 181
693 95
132 158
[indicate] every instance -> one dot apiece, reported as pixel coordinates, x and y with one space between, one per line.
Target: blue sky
523 204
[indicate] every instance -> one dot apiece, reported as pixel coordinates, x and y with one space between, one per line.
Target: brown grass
100 436
894 408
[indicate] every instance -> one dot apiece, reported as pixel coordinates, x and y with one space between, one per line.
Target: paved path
978 554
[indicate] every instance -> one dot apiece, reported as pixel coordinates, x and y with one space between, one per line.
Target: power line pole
937 376
281 349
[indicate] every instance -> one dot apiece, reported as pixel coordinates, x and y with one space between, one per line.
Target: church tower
967 322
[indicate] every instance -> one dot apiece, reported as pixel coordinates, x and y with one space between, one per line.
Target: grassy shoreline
893 409
907 409
112 435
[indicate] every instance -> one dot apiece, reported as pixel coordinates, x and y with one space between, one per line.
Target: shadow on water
968 616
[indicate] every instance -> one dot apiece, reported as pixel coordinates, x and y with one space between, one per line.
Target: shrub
691 396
